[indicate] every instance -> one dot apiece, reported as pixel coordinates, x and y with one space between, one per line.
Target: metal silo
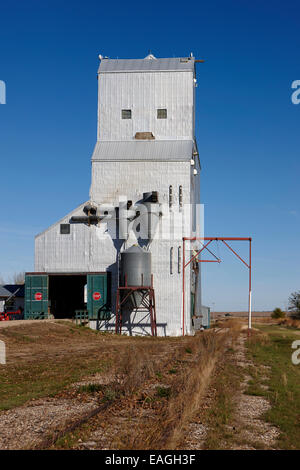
135 267
135 272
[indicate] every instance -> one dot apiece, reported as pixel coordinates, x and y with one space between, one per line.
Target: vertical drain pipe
170 196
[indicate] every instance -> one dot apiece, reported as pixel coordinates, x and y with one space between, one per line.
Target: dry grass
290 322
45 358
186 385
188 390
153 386
136 365
258 338
268 320
234 324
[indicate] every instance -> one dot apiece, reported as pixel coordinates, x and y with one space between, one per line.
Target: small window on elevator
162 114
65 229
126 113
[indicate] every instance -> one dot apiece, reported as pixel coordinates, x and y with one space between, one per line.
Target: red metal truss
147 304
216 260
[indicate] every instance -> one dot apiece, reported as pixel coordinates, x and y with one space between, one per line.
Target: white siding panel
89 249
144 93
113 179
94 248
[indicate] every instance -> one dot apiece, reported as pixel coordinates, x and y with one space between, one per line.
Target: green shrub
163 392
278 313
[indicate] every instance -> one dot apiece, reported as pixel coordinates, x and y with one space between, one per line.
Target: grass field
148 390
157 382
42 359
273 350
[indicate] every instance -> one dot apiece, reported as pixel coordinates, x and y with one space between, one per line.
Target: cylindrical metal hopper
135 271
150 201
135 267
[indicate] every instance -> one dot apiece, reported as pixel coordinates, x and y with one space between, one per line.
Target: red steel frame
217 260
147 303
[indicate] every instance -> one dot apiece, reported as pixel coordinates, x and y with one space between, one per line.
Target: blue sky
247 126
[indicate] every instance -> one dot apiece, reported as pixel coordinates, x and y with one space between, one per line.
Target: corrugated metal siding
144 93
92 249
36 284
145 65
164 150
132 179
97 283
4 292
66 218
205 311
118 171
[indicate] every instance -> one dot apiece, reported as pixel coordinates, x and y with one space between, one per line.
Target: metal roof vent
150 56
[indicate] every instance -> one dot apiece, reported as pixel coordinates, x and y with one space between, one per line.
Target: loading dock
62 295
66 294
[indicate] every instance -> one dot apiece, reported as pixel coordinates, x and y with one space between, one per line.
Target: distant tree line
294 304
293 307
17 278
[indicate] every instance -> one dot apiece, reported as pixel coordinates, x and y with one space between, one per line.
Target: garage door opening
67 293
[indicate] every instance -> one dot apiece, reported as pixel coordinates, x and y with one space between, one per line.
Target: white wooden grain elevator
145 192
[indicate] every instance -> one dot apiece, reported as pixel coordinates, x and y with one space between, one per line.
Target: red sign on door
38 296
96 296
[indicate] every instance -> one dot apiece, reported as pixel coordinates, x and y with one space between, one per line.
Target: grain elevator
144 197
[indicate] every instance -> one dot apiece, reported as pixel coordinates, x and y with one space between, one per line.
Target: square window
161 114
126 113
65 229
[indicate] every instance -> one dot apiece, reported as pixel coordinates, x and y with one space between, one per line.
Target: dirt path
13 323
251 431
247 429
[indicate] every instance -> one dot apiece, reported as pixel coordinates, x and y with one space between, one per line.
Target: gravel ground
27 426
7 324
249 424
249 430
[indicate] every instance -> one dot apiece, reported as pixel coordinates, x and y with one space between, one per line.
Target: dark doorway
66 294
